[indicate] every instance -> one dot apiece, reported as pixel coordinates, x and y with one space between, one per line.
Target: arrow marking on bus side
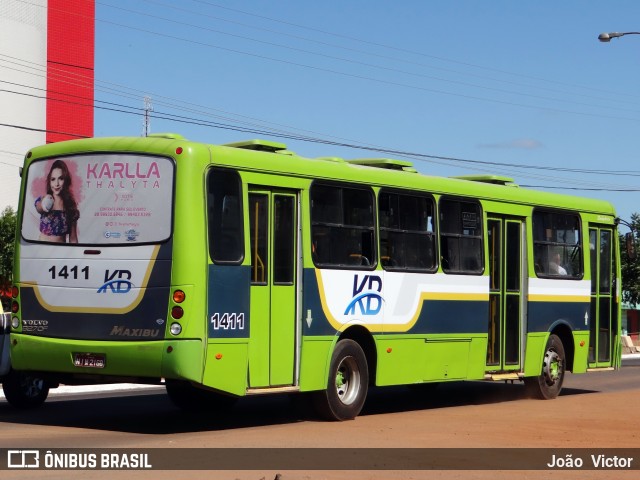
309 319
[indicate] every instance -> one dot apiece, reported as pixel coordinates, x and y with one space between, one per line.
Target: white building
46 66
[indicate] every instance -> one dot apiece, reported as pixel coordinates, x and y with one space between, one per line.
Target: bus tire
548 384
24 389
187 397
348 383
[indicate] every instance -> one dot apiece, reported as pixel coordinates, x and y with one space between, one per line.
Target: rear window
99 199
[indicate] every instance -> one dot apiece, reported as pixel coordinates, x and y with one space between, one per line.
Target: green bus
245 269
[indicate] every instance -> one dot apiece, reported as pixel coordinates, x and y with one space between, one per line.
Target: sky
522 89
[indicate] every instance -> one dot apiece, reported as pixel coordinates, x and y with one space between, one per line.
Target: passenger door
603 325
507 269
273 217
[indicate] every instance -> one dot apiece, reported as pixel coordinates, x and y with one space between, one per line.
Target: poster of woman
98 199
58 208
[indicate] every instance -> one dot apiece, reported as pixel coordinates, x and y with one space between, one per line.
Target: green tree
7 237
631 267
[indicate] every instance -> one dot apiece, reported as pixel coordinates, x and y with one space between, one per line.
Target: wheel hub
32 386
348 381
552 367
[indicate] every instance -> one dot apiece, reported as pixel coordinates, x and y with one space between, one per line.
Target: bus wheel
348 382
548 384
187 397
24 389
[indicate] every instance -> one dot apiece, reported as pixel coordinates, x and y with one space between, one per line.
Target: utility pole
146 122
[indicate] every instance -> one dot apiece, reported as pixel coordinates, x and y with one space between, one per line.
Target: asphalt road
138 410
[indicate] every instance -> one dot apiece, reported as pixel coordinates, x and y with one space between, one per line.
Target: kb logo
366 302
116 282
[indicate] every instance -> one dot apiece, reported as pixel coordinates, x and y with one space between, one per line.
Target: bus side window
557 247
406 231
224 204
461 236
342 226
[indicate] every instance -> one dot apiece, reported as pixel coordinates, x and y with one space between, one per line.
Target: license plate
91 360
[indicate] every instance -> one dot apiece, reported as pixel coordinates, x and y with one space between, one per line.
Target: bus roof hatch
258 145
168 135
494 179
388 163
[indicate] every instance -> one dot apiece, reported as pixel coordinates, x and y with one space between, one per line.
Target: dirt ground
569 422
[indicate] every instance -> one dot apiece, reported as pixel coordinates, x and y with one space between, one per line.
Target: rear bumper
151 360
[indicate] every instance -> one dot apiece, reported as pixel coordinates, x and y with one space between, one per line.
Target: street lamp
606 37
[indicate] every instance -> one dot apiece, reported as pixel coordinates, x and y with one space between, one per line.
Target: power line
10 164
471 164
376 80
12 153
41 130
399 49
268 130
7 152
584 188
119 90
376 54
365 77
351 61
343 143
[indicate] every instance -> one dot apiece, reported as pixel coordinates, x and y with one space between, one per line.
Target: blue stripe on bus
452 316
542 315
228 301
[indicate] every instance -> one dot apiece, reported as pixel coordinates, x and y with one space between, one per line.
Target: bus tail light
177 312
176 328
179 296
15 307
14 292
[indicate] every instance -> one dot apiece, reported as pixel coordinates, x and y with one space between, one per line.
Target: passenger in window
554 266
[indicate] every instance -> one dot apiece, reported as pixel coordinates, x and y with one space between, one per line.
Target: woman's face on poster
56 181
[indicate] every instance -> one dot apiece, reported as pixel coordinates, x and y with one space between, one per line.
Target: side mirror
631 245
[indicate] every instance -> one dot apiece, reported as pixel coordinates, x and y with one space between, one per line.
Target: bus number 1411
227 321
72 272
